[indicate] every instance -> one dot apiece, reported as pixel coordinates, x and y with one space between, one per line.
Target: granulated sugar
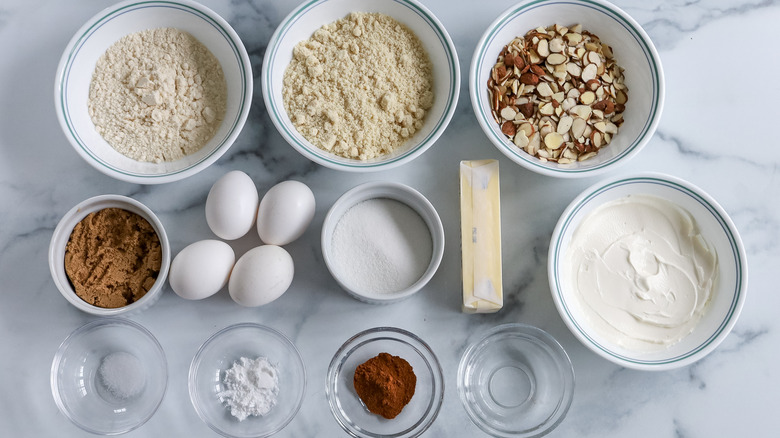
157 95
381 245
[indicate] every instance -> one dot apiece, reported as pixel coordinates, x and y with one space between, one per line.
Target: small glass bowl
349 410
516 381
78 387
218 354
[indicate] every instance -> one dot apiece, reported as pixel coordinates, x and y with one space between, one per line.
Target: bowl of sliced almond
567 88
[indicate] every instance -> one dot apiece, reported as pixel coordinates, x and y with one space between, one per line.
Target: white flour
381 245
157 95
251 387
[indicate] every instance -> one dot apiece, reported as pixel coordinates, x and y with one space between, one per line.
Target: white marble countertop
717 131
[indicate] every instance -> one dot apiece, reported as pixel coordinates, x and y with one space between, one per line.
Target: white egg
261 275
231 207
201 269
285 212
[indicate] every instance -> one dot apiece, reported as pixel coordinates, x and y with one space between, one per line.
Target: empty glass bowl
350 412
218 354
516 381
91 398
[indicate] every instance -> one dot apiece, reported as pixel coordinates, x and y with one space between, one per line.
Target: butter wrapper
480 224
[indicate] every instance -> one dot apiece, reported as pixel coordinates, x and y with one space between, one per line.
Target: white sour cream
641 271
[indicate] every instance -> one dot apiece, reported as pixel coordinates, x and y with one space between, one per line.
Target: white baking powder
251 387
381 245
122 374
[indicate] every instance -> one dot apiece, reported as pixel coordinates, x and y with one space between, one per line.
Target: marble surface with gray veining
718 131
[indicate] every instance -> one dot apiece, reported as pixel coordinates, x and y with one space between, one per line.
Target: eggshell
285 212
231 206
201 269
261 275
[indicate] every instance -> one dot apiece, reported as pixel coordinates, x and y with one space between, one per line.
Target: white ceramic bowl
633 50
388 190
301 23
78 386
716 227
77 65
60 239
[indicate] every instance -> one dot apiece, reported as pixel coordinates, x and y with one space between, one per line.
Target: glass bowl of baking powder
247 380
109 376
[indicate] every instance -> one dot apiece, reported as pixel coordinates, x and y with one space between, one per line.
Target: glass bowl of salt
109 376
247 380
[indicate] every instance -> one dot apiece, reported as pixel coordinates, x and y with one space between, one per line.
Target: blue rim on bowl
275 107
733 285
478 94
82 36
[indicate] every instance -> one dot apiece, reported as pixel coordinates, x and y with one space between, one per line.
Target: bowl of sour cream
648 271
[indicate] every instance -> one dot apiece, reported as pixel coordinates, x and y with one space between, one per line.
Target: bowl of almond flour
360 86
153 92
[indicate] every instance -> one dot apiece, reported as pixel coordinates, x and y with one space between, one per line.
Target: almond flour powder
360 86
157 95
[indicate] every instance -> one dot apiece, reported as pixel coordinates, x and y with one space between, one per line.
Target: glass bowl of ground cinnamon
385 382
109 255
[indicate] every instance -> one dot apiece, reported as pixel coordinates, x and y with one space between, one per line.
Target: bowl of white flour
153 92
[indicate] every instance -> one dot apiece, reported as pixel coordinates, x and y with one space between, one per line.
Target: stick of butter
480 225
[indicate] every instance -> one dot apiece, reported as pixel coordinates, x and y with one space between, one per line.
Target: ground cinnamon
385 383
112 258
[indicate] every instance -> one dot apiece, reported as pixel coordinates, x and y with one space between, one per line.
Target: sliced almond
589 72
543 49
508 113
556 58
553 140
587 97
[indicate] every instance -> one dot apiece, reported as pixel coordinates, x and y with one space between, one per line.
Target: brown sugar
112 258
385 383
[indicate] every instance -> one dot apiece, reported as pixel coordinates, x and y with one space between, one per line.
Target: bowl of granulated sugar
153 92
361 86
382 242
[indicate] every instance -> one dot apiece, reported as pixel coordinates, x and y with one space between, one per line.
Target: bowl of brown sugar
155 91
361 86
109 255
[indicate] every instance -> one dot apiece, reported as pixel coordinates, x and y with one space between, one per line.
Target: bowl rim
65 344
737 252
379 190
312 152
105 16
529 332
427 354
531 163
77 214
196 361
